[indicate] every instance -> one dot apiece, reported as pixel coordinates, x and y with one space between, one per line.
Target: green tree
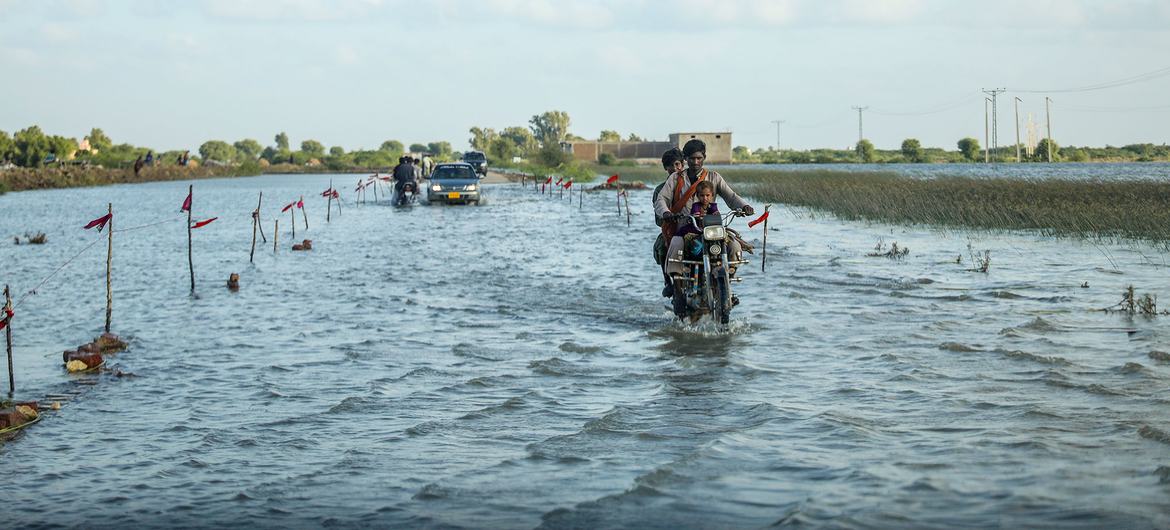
551 155
609 136
248 148
417 148
741 154
865 150
392 146
440 150
551 127
61 147
502 149
336 150
525 142
313 148
281 141
607 159
217 150
634 138
98 141
1041 152
481 139
7 147
31 147
970 148
912 150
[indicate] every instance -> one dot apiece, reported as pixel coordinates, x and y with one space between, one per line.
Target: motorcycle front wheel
722 297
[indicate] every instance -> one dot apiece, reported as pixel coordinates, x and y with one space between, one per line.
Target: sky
354 73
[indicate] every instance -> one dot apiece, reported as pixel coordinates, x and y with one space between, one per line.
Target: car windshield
453 172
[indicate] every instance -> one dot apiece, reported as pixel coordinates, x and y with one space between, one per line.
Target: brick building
718 148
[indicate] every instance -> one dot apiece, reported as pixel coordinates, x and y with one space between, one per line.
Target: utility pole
1018 129
859 110
778 122
986 132
994 93
1048 118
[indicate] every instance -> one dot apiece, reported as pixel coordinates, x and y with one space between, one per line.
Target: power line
1140 78
933 109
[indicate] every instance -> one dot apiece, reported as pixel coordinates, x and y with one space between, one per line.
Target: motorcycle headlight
715 249
714 233
436 187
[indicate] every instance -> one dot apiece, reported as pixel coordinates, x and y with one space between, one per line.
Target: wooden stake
255 223
581 198
627 196
8 342
190 258
109 266
275 235
764 254
329 203
257 215
301 205
292 213
619 200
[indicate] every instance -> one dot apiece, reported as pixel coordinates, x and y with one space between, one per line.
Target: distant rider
403 174
679 194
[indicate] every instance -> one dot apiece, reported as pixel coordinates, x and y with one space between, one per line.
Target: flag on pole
7 316
327 192
559 180
301 204
286 208
201 224
336 195
186 203
569 184
549 180
100 222
612 179
758 220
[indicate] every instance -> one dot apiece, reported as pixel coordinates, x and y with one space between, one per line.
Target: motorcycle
705 287
401 198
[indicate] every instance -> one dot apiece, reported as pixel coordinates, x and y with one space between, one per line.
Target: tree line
968 150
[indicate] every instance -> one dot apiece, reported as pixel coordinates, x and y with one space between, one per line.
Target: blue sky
353 73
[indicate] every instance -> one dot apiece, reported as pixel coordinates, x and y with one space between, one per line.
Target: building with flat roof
718 147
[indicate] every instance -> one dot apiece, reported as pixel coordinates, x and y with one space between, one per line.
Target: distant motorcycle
705 288
407 194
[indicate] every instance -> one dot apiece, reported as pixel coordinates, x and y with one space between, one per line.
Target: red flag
286 208
758 220
336 195
549 181
201 224
385 179
612 179
559 180
568 184
327 192
8 316
186 204
301 204
100 222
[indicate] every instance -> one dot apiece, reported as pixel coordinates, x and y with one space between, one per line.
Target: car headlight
469 187
715 249
436 187
714 232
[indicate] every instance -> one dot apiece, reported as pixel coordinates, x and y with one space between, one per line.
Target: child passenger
705 192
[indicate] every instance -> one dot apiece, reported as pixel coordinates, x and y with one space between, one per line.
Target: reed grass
1123 210
21 179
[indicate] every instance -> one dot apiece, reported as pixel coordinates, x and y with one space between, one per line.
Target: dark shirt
404 173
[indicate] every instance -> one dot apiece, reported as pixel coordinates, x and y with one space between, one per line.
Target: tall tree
98 141
336 150
7 147
1041 152
313 148
634 138
248 148
281 141
912 149
609 136
970 148
481 139
392 146
31 146
439 149
418 148
551 127
525 143
865 150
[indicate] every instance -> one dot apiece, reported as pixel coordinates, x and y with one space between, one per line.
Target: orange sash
680 201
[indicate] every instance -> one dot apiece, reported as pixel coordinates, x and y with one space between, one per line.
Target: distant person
183 158
403 173
428 165
418 171
138 163
149 158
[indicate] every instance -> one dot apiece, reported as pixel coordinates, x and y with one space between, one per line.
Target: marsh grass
73 177
1130 210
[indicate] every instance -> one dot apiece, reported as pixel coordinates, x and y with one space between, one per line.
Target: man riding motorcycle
404 174
676 197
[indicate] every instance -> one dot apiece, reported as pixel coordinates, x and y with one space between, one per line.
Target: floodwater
511 365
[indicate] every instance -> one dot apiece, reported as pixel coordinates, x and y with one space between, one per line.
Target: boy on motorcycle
672 162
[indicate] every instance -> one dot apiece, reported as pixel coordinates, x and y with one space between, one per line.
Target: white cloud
58 33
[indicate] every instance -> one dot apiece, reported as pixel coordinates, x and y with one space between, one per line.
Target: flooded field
511 365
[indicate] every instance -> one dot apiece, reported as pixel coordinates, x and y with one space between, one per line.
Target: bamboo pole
627 196
8 342
619 200
109 267
301 205
329 202
190 258
255 223
292 213
275 235
581 198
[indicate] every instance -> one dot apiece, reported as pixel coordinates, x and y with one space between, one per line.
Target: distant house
718 147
